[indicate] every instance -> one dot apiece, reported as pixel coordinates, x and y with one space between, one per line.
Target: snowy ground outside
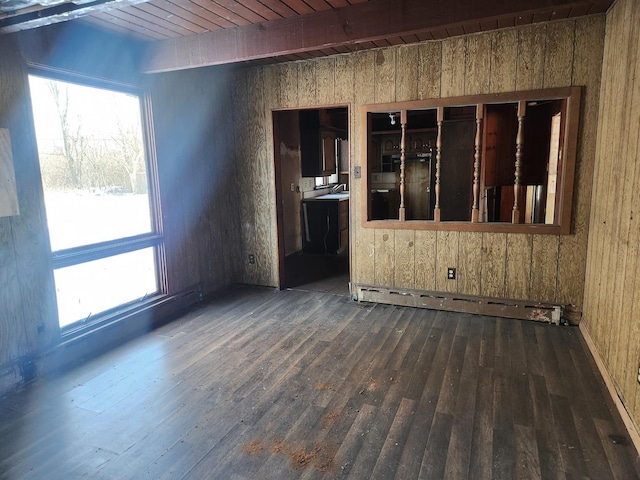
82 218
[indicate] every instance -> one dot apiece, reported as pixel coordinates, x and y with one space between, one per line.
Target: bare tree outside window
92 159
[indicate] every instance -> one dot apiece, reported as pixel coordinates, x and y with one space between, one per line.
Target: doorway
312 157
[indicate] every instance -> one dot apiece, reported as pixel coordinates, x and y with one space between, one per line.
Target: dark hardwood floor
318 273
265 384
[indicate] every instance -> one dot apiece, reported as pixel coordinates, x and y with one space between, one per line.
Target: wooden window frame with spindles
566 169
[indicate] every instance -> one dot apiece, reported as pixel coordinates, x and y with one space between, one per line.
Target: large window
501 162
100 199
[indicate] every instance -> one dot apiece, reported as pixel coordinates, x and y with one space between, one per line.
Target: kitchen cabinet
420 142
390 144
325 228
317 146
416 142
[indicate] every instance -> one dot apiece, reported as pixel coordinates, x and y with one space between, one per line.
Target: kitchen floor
318 273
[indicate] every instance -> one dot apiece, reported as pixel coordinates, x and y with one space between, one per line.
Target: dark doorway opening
311 154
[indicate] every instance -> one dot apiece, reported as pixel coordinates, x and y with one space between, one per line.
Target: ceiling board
209 32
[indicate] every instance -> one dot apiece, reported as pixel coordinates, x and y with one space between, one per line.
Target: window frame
155 238
565 186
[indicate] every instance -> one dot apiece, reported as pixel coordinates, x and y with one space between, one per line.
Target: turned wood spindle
403 143
436 210
475 211
515 215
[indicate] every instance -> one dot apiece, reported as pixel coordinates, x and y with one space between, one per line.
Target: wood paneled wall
611 299
195 144
537 267
27 299
28 312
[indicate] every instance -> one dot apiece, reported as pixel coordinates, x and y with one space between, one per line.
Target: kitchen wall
536 267
611 301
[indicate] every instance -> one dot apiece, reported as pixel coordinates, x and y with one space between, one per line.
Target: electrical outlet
451 273
252 258
293 187
638 374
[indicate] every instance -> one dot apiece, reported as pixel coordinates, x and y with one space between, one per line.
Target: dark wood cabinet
317 146
326 226
390 144
421 142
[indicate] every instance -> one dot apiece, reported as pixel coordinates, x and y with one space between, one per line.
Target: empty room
282 239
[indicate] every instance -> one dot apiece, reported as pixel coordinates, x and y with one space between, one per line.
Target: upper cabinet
318 136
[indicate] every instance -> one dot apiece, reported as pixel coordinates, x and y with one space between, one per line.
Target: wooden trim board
626 418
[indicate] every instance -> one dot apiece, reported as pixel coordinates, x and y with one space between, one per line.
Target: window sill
537 229
144 313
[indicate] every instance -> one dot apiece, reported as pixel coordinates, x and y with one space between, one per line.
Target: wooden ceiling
191 33
161 19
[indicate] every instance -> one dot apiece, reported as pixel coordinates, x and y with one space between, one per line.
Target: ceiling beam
352 25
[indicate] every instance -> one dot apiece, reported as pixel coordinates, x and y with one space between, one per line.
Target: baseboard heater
453 302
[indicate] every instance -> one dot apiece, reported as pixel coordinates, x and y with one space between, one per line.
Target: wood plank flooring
262 384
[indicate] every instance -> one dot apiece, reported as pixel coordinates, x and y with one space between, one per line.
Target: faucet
336 188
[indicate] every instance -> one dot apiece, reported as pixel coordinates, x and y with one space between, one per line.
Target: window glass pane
90 288
92 160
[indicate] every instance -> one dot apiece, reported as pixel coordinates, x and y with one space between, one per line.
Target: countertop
331 196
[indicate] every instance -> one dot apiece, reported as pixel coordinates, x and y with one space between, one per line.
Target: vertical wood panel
429 70
610 105
384 257
307 84
504 54
544 267
325 78
244 174
558 59
261 167
364 92
446 256
289 85
13 338
620 216
519 248
385 75
404 259
530 70
344 81
494 247
407 71
470 263
272 75
453 65
478 63
425 258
